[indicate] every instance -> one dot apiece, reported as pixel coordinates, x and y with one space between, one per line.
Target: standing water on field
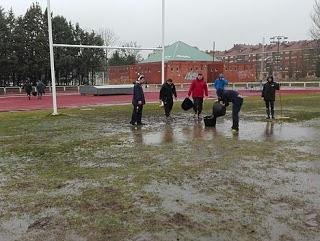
179 132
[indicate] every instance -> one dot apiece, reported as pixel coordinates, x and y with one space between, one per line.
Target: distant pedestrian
168 90
269 95
28 89
138 101
198 90
220 84
237 101
40 89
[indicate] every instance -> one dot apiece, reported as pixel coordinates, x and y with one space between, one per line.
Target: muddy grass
88 175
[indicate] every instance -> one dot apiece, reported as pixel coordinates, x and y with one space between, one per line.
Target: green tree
115 59
11 55
24 49
7 54
126 56
35 43
64 57
3 43
20 49
132 56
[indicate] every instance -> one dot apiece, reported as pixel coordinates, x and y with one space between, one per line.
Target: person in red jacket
198 90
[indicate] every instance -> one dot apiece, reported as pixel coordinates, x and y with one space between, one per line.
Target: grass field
88 175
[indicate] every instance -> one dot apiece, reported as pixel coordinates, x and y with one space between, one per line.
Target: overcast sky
196 22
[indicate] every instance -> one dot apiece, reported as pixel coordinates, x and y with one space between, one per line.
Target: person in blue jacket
237 101
219 84
138 101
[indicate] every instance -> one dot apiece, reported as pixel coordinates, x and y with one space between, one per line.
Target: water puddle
180 132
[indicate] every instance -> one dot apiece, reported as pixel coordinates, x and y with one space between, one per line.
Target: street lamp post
278 40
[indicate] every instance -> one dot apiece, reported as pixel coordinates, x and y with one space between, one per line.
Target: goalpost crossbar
52 44
103 47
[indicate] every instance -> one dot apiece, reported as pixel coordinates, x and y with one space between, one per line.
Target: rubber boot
268 113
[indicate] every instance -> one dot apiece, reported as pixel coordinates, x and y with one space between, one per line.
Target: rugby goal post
51 45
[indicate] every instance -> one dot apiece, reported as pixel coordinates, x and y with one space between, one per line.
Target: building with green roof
182 64
179 51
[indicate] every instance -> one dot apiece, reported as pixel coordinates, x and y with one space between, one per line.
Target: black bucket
218 109
187 104
209 121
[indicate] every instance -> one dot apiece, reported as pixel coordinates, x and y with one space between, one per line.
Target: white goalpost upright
53 75
163 41
51 45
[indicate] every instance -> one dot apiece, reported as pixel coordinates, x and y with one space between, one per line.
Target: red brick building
298 59
182 64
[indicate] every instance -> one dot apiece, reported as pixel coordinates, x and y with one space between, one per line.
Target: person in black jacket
168 90
269 95
28 89
237 101
138 101
40 89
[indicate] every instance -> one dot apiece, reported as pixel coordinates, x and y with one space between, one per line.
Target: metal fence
20 90
179 86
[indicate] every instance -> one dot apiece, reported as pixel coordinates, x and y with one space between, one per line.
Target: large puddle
182 131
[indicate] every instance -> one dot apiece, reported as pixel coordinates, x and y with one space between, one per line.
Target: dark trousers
214 121
168 104
39 93
236 107
29 94
136 114
197 104
269 107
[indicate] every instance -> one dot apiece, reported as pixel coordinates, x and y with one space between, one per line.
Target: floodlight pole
278 40
53 77
262 63
163 42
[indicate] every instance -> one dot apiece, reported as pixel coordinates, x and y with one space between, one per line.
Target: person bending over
237 101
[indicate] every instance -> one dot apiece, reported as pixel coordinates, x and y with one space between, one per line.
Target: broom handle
280 103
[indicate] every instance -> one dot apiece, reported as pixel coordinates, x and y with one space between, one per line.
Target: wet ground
85 176
175 130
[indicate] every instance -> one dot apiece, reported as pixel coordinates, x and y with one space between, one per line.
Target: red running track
21 103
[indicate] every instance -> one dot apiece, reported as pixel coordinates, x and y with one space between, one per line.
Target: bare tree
315 17
132 52
109 39
315 34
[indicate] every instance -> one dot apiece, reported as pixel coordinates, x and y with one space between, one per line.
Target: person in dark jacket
28 89
237 101
168 90
40 89
138 101
269 95
198 90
